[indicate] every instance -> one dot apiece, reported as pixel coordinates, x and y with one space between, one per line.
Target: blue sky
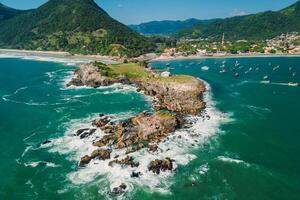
136 11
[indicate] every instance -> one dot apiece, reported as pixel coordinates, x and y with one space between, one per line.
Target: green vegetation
167 27
137 71
6 12
259 26
75 26
165 114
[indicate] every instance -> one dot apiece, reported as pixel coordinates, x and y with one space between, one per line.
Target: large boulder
101 154
157 165
85 160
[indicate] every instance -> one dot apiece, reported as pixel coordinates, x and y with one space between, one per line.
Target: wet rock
135 174
152 147
120 189
106 140
128 161
87 133
85 160
101 122
101 154
80 131
157 165
46 142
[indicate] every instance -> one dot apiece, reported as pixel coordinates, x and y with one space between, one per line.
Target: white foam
232 160
177 146
37 163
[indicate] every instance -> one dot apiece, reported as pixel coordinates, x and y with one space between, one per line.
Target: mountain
76 26
259 26
167 27
7 12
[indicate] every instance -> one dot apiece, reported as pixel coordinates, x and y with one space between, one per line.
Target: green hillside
7 12
253 27
76 26
167 27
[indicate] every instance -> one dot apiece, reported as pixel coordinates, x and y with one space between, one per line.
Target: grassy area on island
138 71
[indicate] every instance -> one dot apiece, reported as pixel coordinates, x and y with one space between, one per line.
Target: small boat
205 68
168 64
290 68
293 84
266 82
266 77
250 69
257 69
294 74
236 74
246 72
275 68
223 71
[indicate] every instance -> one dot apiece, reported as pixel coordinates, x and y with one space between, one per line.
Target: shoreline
222 56
57 56
65 57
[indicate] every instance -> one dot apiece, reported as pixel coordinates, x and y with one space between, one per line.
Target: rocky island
174 98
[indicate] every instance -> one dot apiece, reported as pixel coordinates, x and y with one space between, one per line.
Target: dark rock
136 174
80 131
87 133
157 165
120 189
85 160
128 161
46 142
152 147
101 154
101 122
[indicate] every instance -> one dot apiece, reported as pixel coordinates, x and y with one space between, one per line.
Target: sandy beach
59 56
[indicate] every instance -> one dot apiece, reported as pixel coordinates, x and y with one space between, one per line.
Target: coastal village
283 44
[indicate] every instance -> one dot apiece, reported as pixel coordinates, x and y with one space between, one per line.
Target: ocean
247 149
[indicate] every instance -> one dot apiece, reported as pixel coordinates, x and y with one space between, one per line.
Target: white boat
236 74
257 69
168 64
290 68
223 71
250 69
266 77
294 74
275 68
205 68
265 82
293 84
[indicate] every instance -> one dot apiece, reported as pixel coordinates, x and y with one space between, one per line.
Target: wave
232 160
178 146
40 163
264 82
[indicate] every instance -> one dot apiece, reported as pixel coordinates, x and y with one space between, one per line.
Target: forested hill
77 26
255 27
167 27
7 12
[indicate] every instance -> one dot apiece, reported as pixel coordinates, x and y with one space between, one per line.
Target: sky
137 11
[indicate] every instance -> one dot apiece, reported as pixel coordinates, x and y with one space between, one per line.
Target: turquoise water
253 154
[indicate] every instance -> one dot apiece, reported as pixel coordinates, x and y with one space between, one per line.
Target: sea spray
177 146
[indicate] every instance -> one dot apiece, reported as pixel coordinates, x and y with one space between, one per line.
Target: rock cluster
157 165
184 97
101 154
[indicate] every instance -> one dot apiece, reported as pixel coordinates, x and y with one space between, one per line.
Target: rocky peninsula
174 97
